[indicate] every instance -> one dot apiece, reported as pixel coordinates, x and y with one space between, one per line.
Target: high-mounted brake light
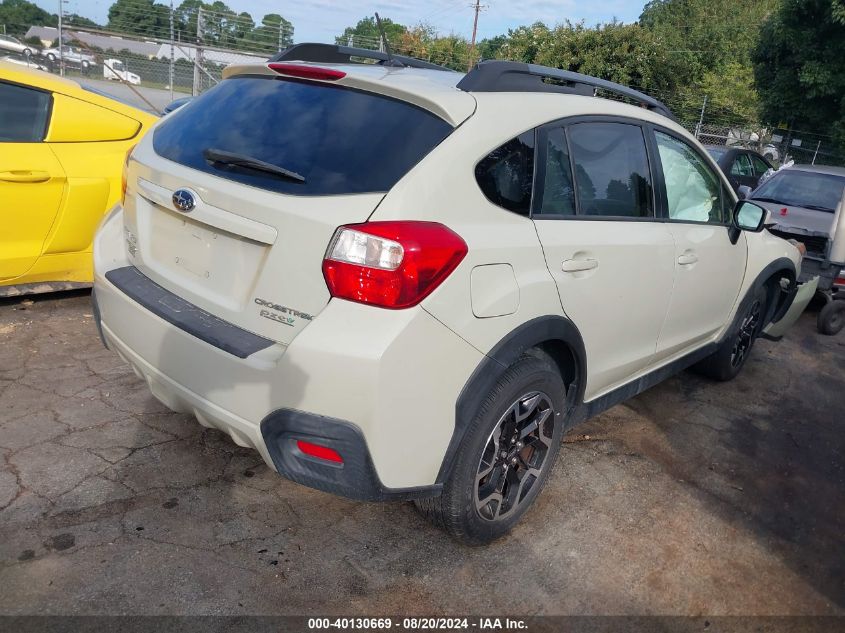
307 72
391 264
319 451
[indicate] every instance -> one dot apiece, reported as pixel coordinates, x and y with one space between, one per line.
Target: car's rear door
709 268
32 180
611 258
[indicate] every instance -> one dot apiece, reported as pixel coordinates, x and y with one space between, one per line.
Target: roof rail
505 76
336 54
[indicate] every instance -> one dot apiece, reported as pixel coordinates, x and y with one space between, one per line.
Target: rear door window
340 140
612 175
760 167
742 166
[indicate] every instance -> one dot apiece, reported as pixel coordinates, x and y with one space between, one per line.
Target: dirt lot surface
693 498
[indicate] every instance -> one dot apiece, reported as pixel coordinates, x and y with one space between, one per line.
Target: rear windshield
339 140
821 192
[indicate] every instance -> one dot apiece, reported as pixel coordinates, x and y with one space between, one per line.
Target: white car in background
115 69
23 62
9 43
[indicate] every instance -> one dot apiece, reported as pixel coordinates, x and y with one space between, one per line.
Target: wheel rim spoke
514 456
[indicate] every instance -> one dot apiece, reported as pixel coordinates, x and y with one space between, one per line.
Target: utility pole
701 118
198 56
171 50
477 7
61 40
817 152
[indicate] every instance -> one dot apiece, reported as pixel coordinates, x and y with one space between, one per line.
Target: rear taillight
125 175
307 72
319 451
391 264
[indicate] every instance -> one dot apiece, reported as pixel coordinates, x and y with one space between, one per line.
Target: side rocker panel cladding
543 330
503 355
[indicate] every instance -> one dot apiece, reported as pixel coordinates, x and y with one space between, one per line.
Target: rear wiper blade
242 160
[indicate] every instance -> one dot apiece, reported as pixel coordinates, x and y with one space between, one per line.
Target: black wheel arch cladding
557 336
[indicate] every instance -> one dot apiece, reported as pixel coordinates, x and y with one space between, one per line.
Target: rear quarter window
342 141
24 113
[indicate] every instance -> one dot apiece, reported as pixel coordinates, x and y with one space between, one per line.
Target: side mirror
747 216
743 191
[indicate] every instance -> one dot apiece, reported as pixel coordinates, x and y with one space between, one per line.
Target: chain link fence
186 55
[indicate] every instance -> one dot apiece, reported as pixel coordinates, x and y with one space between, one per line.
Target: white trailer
115 69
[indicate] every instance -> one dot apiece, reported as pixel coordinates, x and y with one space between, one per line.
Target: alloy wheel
746 335
513 458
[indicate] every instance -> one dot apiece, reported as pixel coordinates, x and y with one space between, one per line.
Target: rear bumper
378 385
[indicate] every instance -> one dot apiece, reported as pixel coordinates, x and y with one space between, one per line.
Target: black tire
490 487
831 318
727 361
26 52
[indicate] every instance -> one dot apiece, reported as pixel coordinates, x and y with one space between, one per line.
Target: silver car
9 43
71 55
803 201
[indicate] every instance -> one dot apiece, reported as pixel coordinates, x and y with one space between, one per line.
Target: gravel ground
693 498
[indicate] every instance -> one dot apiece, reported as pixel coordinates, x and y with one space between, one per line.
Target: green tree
799 66
451 51
704 35
525 42
275 33
365 34
489 47
19 15
77 20
140 17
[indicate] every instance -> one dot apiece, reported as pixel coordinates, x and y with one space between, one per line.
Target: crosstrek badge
288 314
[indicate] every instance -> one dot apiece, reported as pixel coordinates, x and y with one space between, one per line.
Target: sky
322 20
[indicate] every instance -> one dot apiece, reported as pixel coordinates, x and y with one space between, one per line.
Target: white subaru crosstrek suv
400 282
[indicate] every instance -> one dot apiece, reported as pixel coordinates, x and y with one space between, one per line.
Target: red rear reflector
320 452
307 72
391 264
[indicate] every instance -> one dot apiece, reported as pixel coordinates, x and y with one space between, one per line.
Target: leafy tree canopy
140 17
799 65
366 33
19 15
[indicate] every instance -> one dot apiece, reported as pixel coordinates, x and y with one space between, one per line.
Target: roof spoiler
336 54
504 76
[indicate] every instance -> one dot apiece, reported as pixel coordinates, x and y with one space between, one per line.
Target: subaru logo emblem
183 200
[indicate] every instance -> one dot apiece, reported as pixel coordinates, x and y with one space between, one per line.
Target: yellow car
62 150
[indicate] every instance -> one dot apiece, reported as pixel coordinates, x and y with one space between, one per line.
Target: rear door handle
578 265
24 176
687 258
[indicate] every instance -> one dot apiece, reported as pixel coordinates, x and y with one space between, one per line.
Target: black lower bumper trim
184 315
356 478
